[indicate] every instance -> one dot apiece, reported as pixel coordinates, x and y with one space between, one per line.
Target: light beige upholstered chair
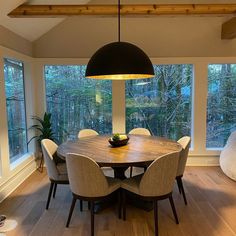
185 143
87 182
87 133
57 173
138 131
155 184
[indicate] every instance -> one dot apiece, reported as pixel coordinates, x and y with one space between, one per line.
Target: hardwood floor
211 210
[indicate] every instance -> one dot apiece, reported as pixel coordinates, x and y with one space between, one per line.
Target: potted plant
43 130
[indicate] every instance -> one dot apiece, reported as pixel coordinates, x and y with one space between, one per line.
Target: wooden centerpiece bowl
115 141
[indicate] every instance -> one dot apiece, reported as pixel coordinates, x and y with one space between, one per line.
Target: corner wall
13 174
15 42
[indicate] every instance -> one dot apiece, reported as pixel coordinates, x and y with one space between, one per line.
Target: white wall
11 175
15 42
188 36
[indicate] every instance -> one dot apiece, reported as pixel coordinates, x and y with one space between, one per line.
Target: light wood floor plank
211 210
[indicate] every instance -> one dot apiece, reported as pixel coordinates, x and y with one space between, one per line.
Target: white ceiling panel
30 28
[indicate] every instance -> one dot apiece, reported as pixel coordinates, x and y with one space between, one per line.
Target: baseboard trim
14 181
203 161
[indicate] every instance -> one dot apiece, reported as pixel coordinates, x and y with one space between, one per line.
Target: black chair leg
131 171
54 191
119 203
49 195
156 216
71 211
182 190
173 209
92 218
81 205
178 179
124 204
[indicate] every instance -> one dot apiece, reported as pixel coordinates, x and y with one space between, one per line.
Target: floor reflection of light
8 226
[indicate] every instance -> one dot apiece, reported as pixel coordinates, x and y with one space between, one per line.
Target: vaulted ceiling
33 28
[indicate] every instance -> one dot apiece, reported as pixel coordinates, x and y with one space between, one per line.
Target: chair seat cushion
62 172
61 167
113 184
132 184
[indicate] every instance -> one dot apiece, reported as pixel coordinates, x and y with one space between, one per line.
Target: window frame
191 95
198 153
26 162
5 59
210 64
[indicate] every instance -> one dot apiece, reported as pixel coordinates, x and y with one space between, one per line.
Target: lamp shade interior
119 61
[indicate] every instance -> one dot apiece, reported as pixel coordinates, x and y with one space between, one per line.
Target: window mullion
118 106
199 108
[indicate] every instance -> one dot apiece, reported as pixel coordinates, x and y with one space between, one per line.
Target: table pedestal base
109 201
119 172
134 200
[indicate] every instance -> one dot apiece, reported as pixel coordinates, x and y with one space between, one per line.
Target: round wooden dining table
141 150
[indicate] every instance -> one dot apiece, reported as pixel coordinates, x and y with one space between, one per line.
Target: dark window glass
221 104
162 104
15 101
76 102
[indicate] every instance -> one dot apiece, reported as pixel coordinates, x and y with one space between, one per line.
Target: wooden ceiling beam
25 11
229 29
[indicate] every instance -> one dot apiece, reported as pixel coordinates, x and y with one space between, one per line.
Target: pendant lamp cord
118 20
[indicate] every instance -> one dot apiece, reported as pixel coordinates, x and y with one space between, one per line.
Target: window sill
21 161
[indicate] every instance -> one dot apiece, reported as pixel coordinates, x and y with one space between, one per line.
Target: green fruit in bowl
116 137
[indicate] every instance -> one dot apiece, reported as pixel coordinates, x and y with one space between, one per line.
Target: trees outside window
221 104
76 102
15 105
162 104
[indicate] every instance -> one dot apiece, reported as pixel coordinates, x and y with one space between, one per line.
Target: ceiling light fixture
119 61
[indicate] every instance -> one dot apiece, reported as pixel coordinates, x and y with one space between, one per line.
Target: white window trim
7 169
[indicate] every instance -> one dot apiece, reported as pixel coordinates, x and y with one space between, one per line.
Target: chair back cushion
140 131
49 148
85 176
159 177
87 133
185 143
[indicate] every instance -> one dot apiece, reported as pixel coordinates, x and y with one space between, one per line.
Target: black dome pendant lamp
119 61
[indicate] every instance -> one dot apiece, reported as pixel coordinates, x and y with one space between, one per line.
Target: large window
162 104
15 101
76 102
221 104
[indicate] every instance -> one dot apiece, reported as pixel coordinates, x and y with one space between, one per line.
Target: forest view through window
76 102
162 104
15 104
221 108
